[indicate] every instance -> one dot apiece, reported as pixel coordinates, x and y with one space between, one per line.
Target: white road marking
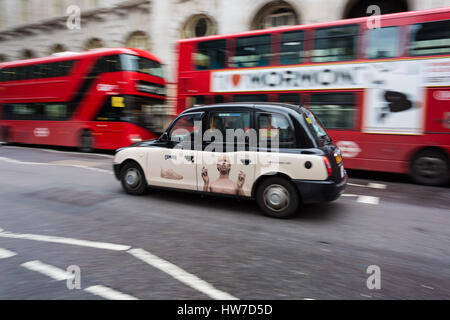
63 152
363 199
48 270
309 299
165 266
369 185
427 287
377 186
368 200
59 275
55 164
109 293
4 253
181 275
70 241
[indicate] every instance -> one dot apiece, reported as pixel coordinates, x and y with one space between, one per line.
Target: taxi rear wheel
277 198
133 179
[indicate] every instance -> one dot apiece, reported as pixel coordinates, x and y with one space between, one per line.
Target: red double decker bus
97 99
380 85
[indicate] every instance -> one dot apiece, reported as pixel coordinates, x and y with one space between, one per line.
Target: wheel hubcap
132 177
276 197
430 167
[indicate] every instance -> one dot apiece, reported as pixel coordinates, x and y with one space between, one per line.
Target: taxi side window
185 127
275 129
230 126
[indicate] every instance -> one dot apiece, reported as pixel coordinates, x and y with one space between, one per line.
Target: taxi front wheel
133 179
277 198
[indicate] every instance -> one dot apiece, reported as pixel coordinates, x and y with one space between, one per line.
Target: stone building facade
35 28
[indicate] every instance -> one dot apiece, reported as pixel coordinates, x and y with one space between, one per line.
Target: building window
358 8
431 38
275 14
28 54
94 43
335 110
336 43
57 48
383 43
138 40
198 26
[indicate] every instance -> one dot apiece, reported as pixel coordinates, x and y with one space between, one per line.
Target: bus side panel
438 112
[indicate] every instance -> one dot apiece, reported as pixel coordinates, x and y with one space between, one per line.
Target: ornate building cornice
87 16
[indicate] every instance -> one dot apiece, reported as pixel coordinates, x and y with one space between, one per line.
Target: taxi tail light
328 165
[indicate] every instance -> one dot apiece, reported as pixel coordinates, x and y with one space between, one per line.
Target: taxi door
172 163
226 165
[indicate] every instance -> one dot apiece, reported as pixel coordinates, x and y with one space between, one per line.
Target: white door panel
226 172
293 165
172 168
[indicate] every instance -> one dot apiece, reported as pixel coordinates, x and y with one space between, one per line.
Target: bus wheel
133 179
5 135
430 167
277 198
86 141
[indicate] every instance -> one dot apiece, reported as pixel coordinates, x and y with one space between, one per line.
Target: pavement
62 211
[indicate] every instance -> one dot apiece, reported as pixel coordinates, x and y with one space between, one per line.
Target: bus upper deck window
252 51
430 38
383 43
335 43
210 55
291 47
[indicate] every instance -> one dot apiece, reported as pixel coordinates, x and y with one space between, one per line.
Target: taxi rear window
316 128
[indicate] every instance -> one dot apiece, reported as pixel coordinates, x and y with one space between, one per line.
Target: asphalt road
60 208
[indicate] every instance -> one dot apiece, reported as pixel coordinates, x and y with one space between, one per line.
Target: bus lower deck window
335 110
